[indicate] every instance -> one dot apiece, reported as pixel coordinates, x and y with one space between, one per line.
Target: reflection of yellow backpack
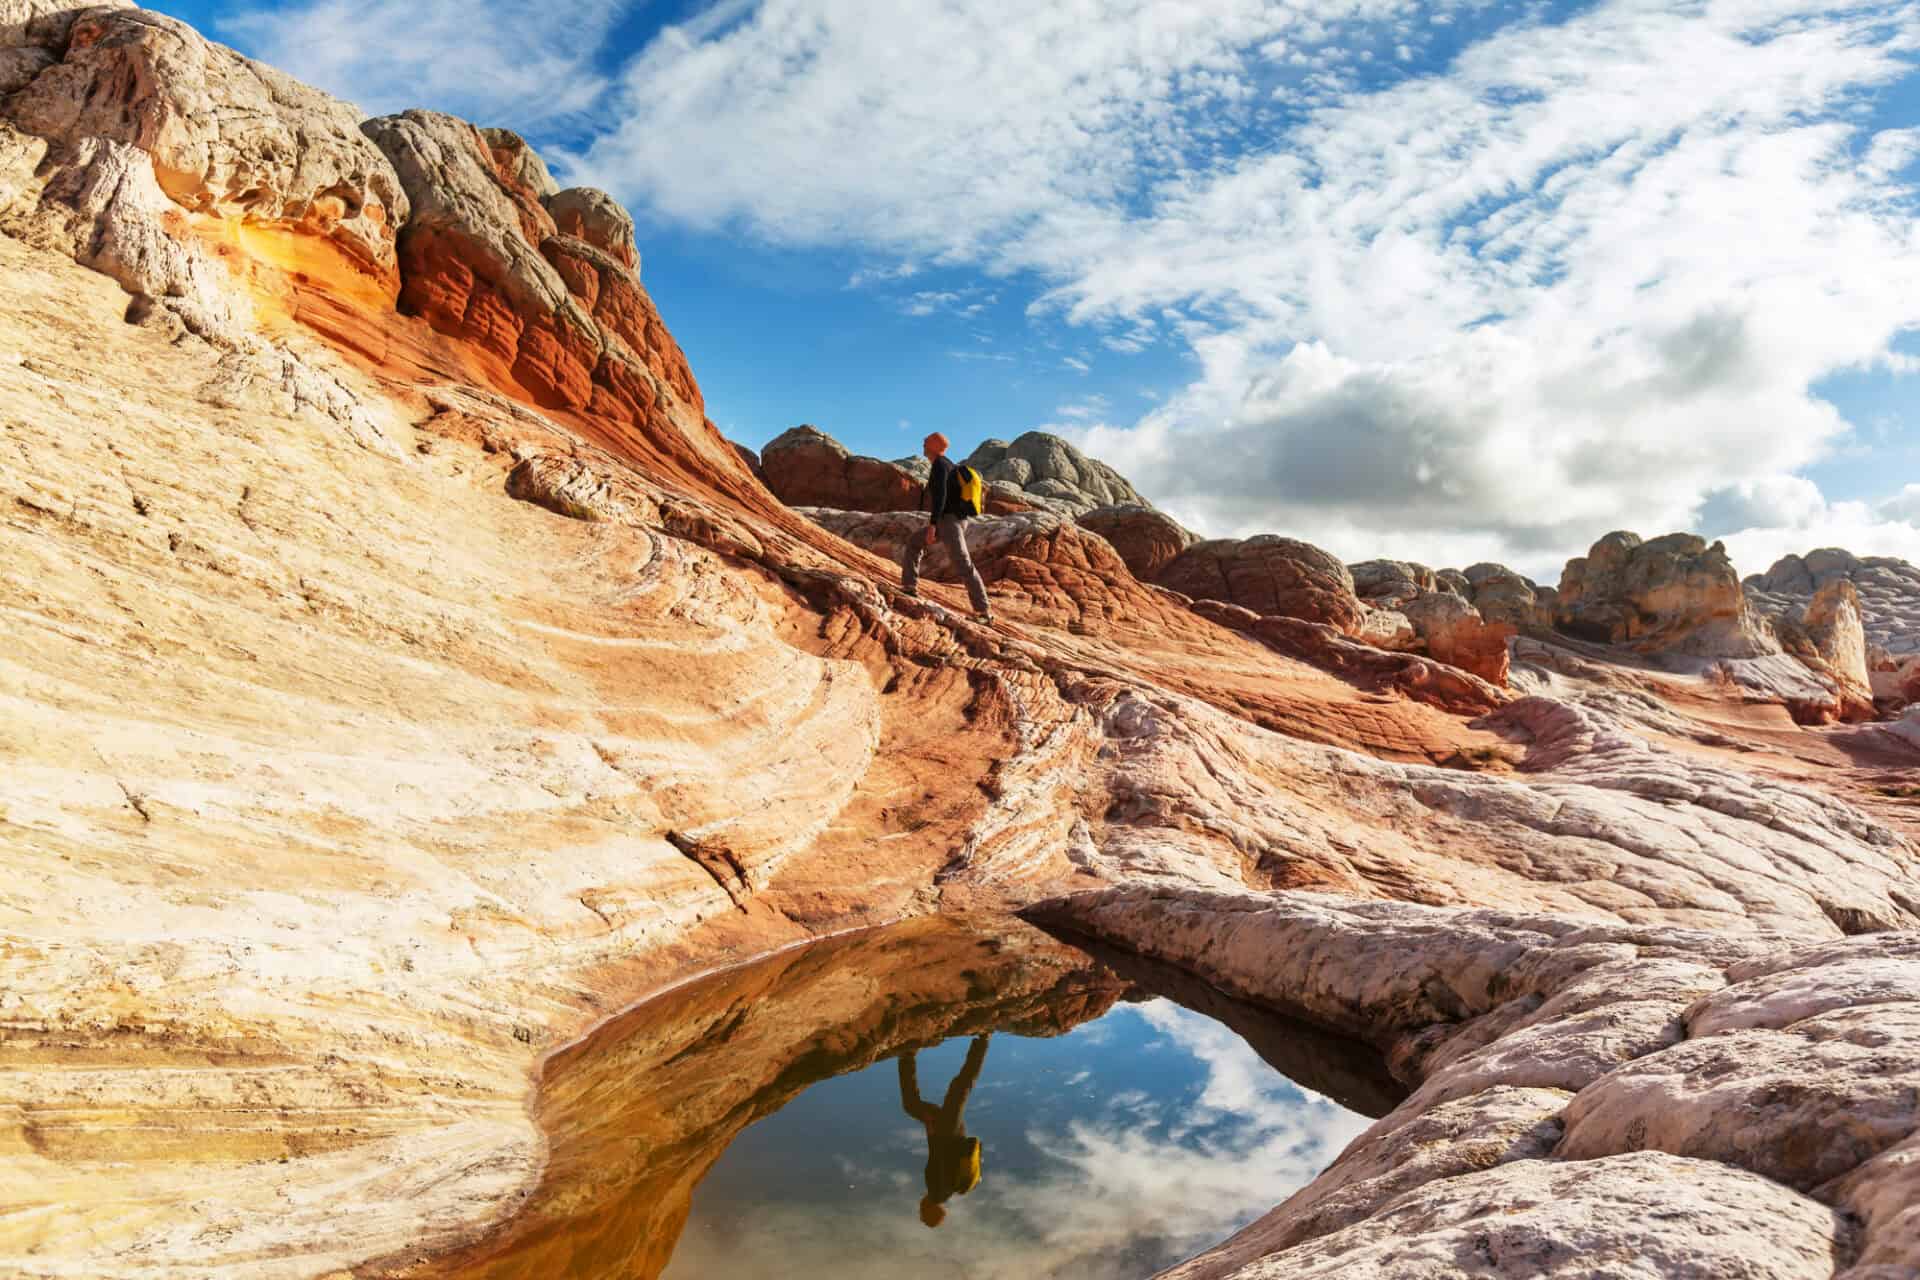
973 491
967 1176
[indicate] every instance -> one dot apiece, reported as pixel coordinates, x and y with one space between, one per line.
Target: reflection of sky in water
1113 1151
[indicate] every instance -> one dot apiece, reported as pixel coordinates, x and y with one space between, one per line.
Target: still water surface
1124 1146
776 1121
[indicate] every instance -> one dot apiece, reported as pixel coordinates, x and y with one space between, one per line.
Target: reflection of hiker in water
953 1159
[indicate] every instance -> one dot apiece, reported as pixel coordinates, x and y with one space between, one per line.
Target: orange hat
936 442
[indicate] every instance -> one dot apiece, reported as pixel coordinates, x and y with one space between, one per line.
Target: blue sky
1452 281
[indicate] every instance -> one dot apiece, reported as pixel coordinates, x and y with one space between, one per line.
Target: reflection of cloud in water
1123 1191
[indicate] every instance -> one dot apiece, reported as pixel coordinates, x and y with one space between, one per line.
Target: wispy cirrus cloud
518 63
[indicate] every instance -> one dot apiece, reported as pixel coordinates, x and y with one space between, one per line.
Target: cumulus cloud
1581 274
1489 309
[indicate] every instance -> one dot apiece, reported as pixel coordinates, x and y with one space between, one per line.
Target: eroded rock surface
1053 475
1567 1077
1888 590
1147 540
396 690
806 467
1270 575
1672 594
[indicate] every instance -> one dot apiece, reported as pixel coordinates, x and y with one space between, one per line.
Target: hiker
951 509
953 1159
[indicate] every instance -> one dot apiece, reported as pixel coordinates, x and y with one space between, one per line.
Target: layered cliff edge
404 675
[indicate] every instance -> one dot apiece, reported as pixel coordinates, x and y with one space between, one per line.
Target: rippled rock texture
1567 1078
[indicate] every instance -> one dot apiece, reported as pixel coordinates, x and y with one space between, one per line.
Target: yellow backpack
973 491
967 1176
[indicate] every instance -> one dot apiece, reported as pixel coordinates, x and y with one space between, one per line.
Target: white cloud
1903 506
1582 276
516 63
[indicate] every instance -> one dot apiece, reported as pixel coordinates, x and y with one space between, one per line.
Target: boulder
1053 475
1455 633
597 218
1501 595
1146 539
1674 594
1389 584
1270 575
806 467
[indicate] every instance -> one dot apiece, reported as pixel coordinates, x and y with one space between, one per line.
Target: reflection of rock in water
1346 1071
639 1112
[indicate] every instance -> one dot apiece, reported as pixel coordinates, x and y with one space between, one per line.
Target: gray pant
953 533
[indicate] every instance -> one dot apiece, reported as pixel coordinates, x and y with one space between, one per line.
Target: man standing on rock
948 524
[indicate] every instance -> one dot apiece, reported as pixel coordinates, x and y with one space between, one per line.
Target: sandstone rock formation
1503 596
225 136
1388 584
1454 632
1888 591
1567 1076
806 467
1827 636
1269 575
1148 540
394 691
1673 594
1051 474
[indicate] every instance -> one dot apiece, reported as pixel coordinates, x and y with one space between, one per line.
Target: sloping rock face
1050 474
1888 592
1270 575
1146 539
1566 1077
556 316
1674 594
806 467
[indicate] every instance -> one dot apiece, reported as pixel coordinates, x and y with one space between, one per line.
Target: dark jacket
941 485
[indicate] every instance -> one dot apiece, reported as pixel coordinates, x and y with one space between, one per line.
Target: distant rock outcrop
1888 591
1501 595
1456 633
806 467
1827 636
1053 475
1148 540
1269 575
1674 594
